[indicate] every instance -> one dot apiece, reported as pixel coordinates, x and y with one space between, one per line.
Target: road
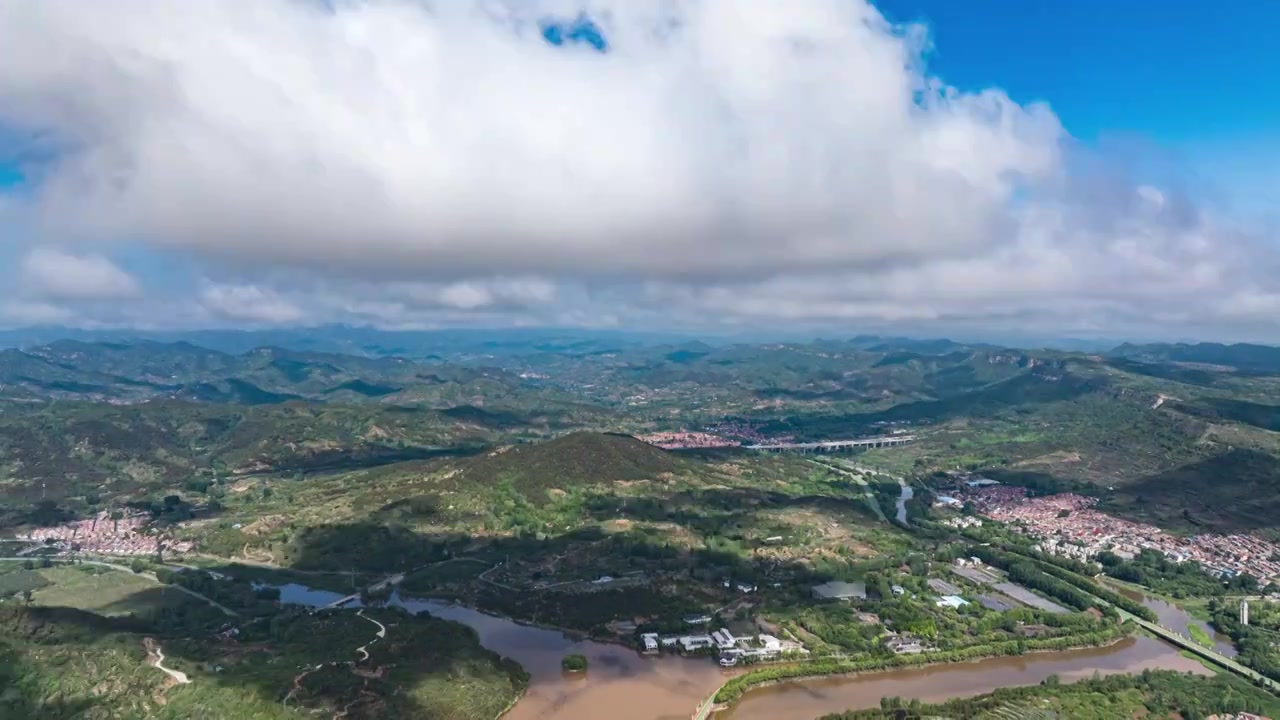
382 632
866 488
389 580
178 675
123 568
1209 654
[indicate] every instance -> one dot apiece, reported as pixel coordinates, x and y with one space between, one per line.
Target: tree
574 663
26 597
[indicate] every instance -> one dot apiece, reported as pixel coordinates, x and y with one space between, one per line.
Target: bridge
1196 648
835 445
392 580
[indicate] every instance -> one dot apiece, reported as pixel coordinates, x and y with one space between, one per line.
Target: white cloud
21 313
449 138
479 293
419 162
249 304
58 275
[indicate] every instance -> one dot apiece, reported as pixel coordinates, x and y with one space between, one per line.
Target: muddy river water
621 684
1174 617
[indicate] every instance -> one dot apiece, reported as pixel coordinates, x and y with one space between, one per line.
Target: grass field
104 591
1200 636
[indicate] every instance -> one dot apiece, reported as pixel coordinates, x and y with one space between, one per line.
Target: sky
1086 169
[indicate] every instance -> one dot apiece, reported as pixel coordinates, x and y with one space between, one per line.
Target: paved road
389 580
1204 652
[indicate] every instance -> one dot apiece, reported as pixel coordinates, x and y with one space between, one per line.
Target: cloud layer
722 162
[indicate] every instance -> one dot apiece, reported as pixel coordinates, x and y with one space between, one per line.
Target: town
1068 524
104 534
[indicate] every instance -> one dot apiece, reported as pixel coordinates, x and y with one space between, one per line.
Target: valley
516 495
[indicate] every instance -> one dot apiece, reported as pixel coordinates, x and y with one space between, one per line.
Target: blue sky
1197 80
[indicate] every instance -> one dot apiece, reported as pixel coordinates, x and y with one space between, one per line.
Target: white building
650 641
724 639
696 642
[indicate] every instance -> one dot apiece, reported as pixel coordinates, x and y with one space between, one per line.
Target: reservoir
638 687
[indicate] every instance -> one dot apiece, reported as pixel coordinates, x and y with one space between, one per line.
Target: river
906 494
814 698
637 687
1173 617
632 686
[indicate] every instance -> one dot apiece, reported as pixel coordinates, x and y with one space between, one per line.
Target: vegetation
1257 641
1158 693
60 662
1180 580
733 689
574 663
504 474
1047 575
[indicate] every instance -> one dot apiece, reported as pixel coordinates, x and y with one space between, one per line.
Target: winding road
382 632
178 675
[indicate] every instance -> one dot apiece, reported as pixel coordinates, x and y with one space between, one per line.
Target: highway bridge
836 445
1196 648
392 580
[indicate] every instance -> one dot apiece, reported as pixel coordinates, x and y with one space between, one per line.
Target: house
746 588
689 643
954 602
898 590
697 619
650 641
836 590
724 639
905 645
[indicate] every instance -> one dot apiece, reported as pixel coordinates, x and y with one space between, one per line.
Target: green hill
576 459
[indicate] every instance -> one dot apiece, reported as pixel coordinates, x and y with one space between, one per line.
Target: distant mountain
360 341
128 372
1244 357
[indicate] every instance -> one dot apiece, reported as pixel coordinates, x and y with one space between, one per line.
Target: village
126 535
1068 524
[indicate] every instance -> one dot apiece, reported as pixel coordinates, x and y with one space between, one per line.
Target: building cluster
906 643
1067 524
102 534
729 649
684 439
749 433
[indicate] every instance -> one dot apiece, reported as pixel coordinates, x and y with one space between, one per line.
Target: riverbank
640 687
1174 615
942 681
736 687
